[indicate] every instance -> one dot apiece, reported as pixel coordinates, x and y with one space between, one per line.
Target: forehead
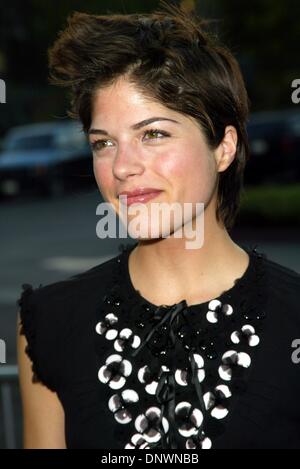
124 95
123 101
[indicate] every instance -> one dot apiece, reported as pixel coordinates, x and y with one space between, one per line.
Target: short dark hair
171 57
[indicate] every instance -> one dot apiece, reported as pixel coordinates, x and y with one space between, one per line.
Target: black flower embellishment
120 405
106 327
217 402
216 308
160 342
247 333
232 360
208 345
125 339
188 419
151 425
115 371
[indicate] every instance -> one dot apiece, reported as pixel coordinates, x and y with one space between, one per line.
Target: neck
166 272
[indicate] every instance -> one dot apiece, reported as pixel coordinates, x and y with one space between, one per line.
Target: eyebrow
137 126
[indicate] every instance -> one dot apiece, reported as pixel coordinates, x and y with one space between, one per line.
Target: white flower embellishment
106 327
115 371
231 360
247 332
215 308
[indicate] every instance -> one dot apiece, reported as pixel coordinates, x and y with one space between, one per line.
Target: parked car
274 138
48 157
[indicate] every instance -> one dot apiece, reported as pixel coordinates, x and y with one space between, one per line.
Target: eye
155 132
98 145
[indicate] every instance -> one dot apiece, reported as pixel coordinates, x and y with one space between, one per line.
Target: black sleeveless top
221 374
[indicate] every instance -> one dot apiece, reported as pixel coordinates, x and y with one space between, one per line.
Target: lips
139 197
139 191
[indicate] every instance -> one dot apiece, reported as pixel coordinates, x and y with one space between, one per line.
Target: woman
161 346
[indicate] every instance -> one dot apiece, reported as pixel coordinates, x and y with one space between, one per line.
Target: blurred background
48 196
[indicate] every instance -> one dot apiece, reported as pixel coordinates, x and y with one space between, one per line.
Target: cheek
191 172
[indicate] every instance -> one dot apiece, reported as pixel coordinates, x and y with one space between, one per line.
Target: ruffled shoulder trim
28 311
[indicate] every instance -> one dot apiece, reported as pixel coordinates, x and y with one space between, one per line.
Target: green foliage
271 204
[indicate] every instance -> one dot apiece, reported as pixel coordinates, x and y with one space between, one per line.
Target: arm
43 415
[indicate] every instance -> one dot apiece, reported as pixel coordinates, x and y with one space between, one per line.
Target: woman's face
170 156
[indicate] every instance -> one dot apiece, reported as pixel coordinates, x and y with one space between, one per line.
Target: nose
128 161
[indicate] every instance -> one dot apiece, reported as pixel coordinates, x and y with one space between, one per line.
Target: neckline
246 278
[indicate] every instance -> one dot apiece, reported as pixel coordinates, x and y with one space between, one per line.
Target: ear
225 153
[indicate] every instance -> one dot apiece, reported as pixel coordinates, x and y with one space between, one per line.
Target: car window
32 142
265 129
71 138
